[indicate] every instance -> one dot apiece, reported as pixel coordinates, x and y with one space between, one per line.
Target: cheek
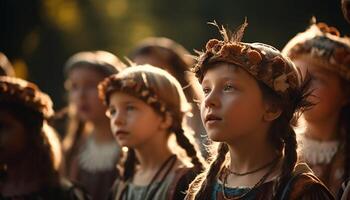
244 112
328 100
202 111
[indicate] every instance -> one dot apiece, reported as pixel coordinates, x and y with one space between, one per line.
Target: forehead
83 72
225 71
122 97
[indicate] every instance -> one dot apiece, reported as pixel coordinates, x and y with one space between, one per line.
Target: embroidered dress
174 187
302 185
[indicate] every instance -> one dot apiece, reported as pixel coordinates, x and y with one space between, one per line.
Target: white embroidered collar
316 152
96 157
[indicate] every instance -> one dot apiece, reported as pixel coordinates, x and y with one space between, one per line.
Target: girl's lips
121 132
211 119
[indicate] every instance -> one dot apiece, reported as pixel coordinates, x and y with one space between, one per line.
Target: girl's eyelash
229 86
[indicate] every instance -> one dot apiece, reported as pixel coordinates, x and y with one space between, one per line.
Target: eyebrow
126 102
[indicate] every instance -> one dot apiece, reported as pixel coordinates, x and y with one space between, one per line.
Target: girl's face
83 93
12 137
327 91
233 105
133 122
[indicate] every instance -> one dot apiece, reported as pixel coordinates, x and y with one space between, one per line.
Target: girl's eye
229 88
130 107
206 90
110 112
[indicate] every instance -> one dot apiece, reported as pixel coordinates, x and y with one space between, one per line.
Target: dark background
39 35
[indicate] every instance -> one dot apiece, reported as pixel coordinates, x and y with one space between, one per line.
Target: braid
290 151
129 164
288 138
191 151
201 187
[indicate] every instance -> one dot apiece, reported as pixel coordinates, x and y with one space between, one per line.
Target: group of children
276 123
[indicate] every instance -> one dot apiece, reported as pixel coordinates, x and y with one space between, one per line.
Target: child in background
167 54
30 150
146 106
91 151
325 139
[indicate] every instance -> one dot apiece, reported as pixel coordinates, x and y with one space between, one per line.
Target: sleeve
315 192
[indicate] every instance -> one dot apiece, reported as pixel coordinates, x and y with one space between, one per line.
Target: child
30 150
174 58
146 110
325 142
91 152
251 95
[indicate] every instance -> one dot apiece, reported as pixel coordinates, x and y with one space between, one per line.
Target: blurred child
146 106
91 151
30 150
325 142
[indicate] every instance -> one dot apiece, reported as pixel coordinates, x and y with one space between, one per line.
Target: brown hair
281 84
324 43
163 93
175 56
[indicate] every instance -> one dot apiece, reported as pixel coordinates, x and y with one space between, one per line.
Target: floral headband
324 43
262 61
129 85
20 91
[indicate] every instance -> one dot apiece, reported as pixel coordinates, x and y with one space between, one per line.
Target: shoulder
307 186
183 176
66 190
303 184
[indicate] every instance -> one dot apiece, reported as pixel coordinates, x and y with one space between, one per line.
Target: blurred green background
39 35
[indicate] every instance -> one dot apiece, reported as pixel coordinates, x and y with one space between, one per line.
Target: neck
158 150
326 130
244 158
102 131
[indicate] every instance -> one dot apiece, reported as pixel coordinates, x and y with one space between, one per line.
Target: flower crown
20 91
323 42
262 61
129 85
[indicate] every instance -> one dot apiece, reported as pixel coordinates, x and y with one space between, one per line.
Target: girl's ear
167 121
272 112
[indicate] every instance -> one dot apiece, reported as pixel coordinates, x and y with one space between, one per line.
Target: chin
215 136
